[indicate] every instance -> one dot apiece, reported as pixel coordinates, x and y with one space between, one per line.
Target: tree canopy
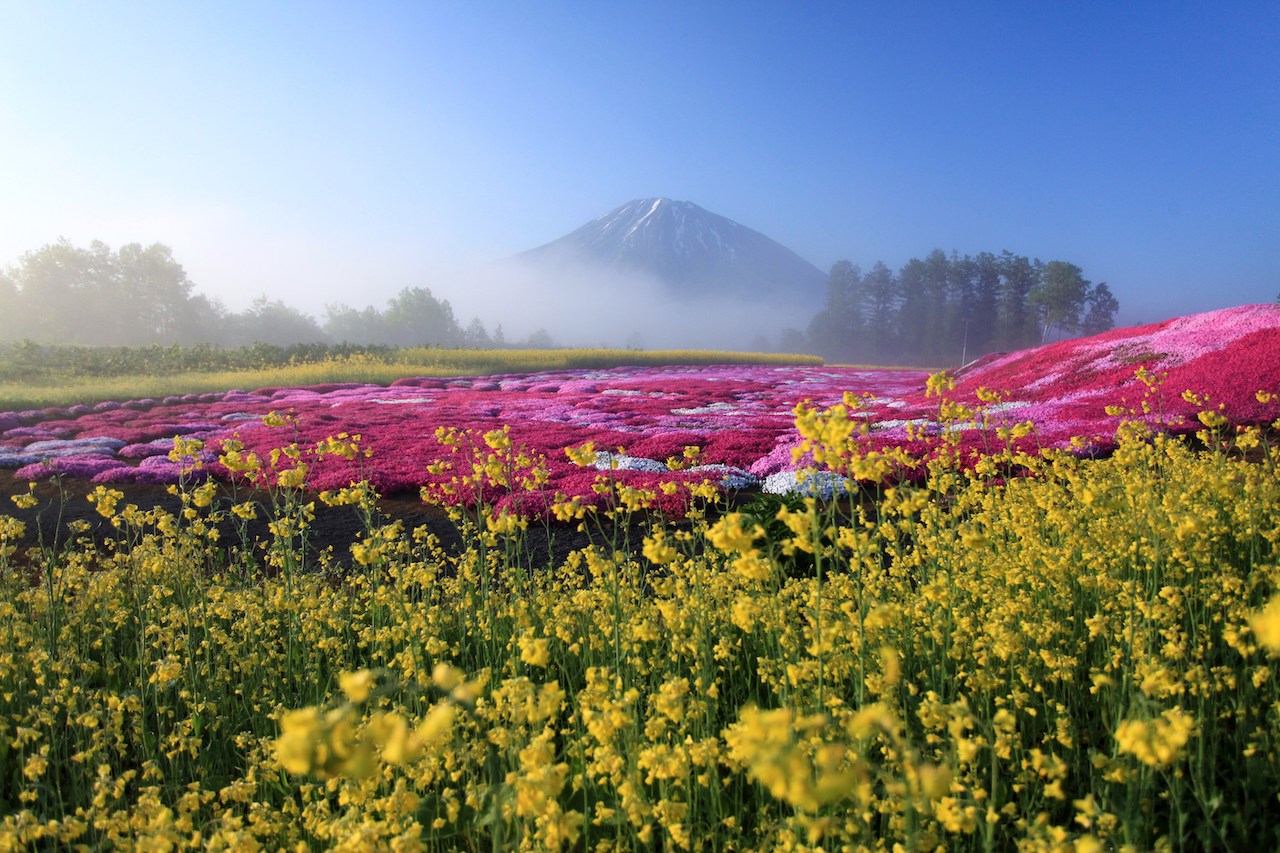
141 296
137 295
944 309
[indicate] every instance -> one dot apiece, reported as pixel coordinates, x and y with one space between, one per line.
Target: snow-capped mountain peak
691 250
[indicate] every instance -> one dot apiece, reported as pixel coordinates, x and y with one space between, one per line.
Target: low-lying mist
141 296
582 305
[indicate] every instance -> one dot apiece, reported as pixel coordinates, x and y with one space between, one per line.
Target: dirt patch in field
61 504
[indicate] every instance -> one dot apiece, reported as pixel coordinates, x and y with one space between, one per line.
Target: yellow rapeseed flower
498 439
27 500
292 478
657 550
1266 625
105 500
1158 742
583 456
1212 419
505 523
939 383
357 685
186 449
731 535
299 733
535 651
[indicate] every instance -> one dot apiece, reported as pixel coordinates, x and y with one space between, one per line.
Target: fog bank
581 305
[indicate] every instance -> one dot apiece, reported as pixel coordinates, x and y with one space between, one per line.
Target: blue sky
323 152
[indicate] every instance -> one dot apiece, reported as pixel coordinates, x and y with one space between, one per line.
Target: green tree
159 289
936 334
476 335
941 307
57 284
349 325
983 312
202 321
270 321
138 295
1060 297
836 329
882 304
416 318
1016 321
959 308
1100 315
914 311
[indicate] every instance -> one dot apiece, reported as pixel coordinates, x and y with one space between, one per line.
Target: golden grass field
77 387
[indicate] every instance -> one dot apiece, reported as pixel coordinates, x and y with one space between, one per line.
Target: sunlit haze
324 153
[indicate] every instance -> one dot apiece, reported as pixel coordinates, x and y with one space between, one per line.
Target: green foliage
97 296
764 509
61 293
39 364
271 322
947 310
1100 314
1060 296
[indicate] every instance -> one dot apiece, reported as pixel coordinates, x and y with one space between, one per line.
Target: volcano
692 252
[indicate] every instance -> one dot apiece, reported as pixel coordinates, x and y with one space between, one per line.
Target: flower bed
740 416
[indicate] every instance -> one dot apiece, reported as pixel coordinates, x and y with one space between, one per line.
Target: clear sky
323 152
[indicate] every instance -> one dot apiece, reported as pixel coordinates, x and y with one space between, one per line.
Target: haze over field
320 154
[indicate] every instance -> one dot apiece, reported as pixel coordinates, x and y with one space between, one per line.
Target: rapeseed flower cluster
997 650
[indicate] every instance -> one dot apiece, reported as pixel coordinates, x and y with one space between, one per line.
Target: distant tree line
140 296
936 311
943 310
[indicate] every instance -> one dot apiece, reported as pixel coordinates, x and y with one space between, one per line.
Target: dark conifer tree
1100 315
944 310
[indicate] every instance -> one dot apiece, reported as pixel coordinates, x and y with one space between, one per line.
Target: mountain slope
691 251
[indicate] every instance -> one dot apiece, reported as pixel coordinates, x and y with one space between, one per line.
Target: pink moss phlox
739 415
